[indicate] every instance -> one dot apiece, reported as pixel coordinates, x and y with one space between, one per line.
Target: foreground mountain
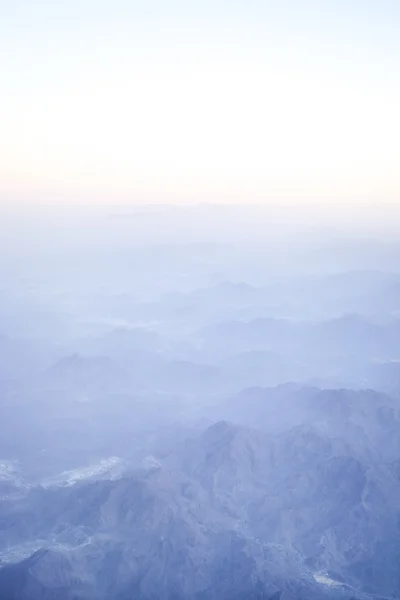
149 535
233 512
333 500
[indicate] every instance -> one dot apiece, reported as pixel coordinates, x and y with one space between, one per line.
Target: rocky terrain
309 511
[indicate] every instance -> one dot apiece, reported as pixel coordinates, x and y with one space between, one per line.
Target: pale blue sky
217 101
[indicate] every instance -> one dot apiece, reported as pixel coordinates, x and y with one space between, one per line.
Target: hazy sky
160 100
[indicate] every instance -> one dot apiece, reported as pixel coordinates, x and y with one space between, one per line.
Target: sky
163 101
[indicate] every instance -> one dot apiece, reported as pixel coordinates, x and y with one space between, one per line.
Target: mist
198 401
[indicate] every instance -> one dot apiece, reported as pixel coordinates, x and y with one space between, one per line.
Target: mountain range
305 507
